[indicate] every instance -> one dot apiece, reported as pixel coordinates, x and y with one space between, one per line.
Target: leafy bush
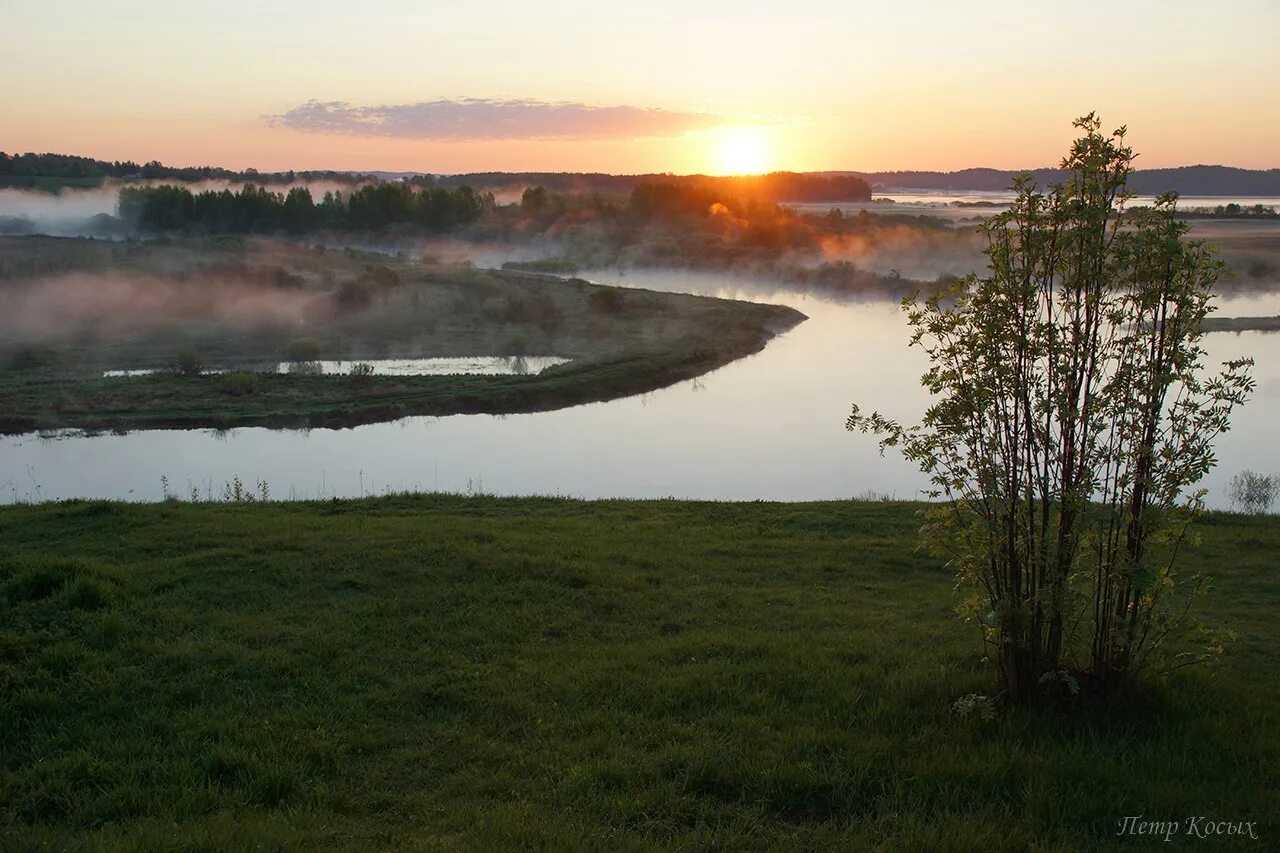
353 296
380 279
189 363
236 491
304 349
239 384
535 308
281 278
361 373
1071 419
1252 493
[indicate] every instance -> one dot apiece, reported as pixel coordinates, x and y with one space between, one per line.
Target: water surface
444 366
770 426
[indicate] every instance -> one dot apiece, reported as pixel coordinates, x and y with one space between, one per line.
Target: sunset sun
742 151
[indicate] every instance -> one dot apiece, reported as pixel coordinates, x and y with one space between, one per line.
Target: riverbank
193 311
1242 324
298 401
455 672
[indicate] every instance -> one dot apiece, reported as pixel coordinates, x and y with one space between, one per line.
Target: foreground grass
479 672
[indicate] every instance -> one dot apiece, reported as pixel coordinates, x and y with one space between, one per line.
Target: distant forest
14 168
773 187
40 169
1185 180
434 209
52 170
255 209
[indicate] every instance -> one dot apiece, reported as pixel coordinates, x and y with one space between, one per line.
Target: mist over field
113 306
92 211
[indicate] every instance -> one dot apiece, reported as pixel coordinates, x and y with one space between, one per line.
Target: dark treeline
378 206
71 167
1230 211
660 224
773 187
254 209
777 186
669 225
1186 180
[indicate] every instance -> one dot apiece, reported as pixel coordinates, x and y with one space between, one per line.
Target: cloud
470 119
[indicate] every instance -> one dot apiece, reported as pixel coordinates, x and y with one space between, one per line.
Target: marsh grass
478 672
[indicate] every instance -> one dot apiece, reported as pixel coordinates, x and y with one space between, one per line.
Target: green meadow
435 672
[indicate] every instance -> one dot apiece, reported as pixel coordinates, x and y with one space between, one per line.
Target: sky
657 86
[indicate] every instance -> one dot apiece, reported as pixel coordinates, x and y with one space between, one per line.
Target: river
770 427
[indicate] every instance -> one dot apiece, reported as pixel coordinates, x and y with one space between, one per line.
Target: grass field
451 672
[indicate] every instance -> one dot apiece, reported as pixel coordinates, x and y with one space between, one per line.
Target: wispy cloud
462 119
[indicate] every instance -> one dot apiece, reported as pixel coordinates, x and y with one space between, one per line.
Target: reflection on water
770 426
476 366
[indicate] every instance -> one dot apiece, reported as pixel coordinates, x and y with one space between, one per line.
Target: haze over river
770 426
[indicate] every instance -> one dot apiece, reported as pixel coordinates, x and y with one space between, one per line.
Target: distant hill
775 186
51 171
1187 180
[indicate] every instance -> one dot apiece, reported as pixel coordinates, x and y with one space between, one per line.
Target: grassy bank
1242 324
72 309
480 672
169 401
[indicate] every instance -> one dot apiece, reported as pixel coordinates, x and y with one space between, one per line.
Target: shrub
361 373
353 296
1072 419
534 308
304 349
236 491
1252 493
281 278
189 363
239 384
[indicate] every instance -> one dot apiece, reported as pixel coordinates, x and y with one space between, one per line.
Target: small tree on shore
1072 418
189 363
1252 492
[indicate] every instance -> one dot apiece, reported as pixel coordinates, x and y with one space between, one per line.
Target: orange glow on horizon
742 151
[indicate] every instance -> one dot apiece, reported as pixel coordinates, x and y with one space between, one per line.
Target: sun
742 151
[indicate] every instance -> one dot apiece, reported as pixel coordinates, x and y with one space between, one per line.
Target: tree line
377 206
256 209
71 167
772 187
